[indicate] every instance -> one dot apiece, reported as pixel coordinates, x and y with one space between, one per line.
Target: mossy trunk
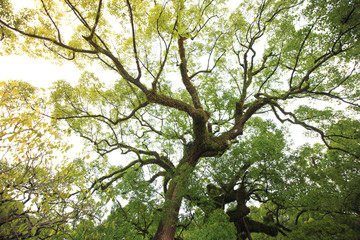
176 191
170 212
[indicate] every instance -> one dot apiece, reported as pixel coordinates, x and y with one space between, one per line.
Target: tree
191 76
38 197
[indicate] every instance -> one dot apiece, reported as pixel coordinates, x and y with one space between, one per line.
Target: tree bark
175 193
170 212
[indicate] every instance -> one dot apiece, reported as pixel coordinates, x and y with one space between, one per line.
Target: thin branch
134 40
154 177
298 54
51 19
209 70
208 62
271 74
167 49
59 54
327 94
295 120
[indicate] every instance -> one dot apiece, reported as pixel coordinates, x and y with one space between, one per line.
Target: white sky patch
43 73
38 72
19 4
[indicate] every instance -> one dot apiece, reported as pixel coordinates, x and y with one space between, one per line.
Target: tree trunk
174 195
170 212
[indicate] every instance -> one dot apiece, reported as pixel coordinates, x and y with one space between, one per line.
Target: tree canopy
196 123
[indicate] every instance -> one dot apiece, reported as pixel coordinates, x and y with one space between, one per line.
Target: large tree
191 76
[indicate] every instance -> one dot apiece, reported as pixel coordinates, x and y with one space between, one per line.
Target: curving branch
272 72
52 20
294 120
47 39
184 75
118 174
208 69
299 53
329 95
159 174
167 49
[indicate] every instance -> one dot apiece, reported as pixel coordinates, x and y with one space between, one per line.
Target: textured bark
176 192
167 226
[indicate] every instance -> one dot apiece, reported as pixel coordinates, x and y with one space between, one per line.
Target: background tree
319 199
191 76
39 195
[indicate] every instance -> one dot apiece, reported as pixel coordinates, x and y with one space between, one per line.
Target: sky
38 72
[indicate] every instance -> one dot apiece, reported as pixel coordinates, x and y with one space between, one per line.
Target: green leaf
34 231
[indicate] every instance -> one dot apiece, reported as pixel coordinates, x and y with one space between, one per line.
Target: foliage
320 199
217 226
40 195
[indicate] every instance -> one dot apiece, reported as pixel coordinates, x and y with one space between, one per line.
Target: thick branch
96 19
184 75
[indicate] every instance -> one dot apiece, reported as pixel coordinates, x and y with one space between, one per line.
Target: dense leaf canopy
192 124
